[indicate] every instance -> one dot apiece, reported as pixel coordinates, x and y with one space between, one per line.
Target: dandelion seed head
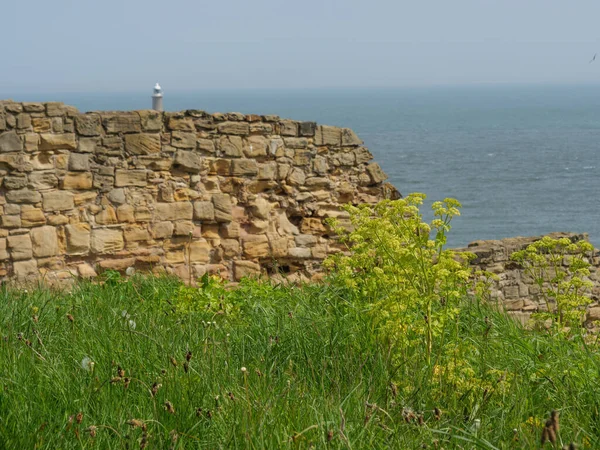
132 324
87 363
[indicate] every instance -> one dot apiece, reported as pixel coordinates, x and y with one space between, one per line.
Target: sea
522 160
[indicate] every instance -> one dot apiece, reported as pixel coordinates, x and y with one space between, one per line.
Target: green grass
316 375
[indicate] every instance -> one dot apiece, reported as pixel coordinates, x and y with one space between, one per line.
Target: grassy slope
313 367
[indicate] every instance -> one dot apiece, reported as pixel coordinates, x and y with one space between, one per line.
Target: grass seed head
120 371
126 382
173 361
188 356
71 318
136 423
115 380
186 366
79 417
437 413
155 387
329 435
92 430
169 407
231 396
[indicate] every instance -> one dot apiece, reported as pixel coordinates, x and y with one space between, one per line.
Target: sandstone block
230 230
44 241
41 125
65 141
107 216
205 145
204 211
136 234
78 180
288 128
278 245
26 269
162 230
125 213
23 196
117 196
231 146
244 167
88 145
267 171
104 183
326 135
200 251
57 201
308 128
150 120
375 173
260 208
32 217
256 146
120 264
3 252
256 246
122 122
10 221
15 182
349 138
299 252
78 239
10 142
181 124
188 161
106 241
231 248
296 142
86 271
182 139
130 178
362 155
296 177
79 162
238 128
222 206
173 211
244 269
142 144
88 124
184 228
42 180
33 107
54 109
20 247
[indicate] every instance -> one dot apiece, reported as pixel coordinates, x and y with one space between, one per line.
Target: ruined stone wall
186 193
515 290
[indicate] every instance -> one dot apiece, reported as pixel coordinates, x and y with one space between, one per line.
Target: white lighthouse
157 98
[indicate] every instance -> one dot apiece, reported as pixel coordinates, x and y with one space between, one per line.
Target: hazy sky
116 45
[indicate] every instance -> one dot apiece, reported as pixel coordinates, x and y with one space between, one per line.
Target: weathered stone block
3 252
26 269
244 167
122 122
65 141
10 221
308 128
204 211
173 211
238 128
188 161
350 138
200 251
130 178
88 124
230 230
32 217
78 180
23 196
244 269
162 230
57 201
260 208
78 239
256 146
20 247
296 177
150 120
44 241
23 121
288 128
181 124
136 234
231 146
375 173
10 142
206 145
231 248
142 144
106 241
182 139
326 135
16 181
41 125
256 246
222 205
299 252
79 162
107 216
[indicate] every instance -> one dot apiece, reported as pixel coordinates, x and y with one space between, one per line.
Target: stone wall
186 193
514 290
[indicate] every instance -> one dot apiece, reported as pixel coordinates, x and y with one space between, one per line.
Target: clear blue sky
116 45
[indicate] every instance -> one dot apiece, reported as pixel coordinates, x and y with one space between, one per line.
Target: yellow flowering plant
560 268
398 261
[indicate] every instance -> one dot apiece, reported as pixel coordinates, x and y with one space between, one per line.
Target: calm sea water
522 160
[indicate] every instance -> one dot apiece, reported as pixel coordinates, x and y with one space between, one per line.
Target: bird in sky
594 58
